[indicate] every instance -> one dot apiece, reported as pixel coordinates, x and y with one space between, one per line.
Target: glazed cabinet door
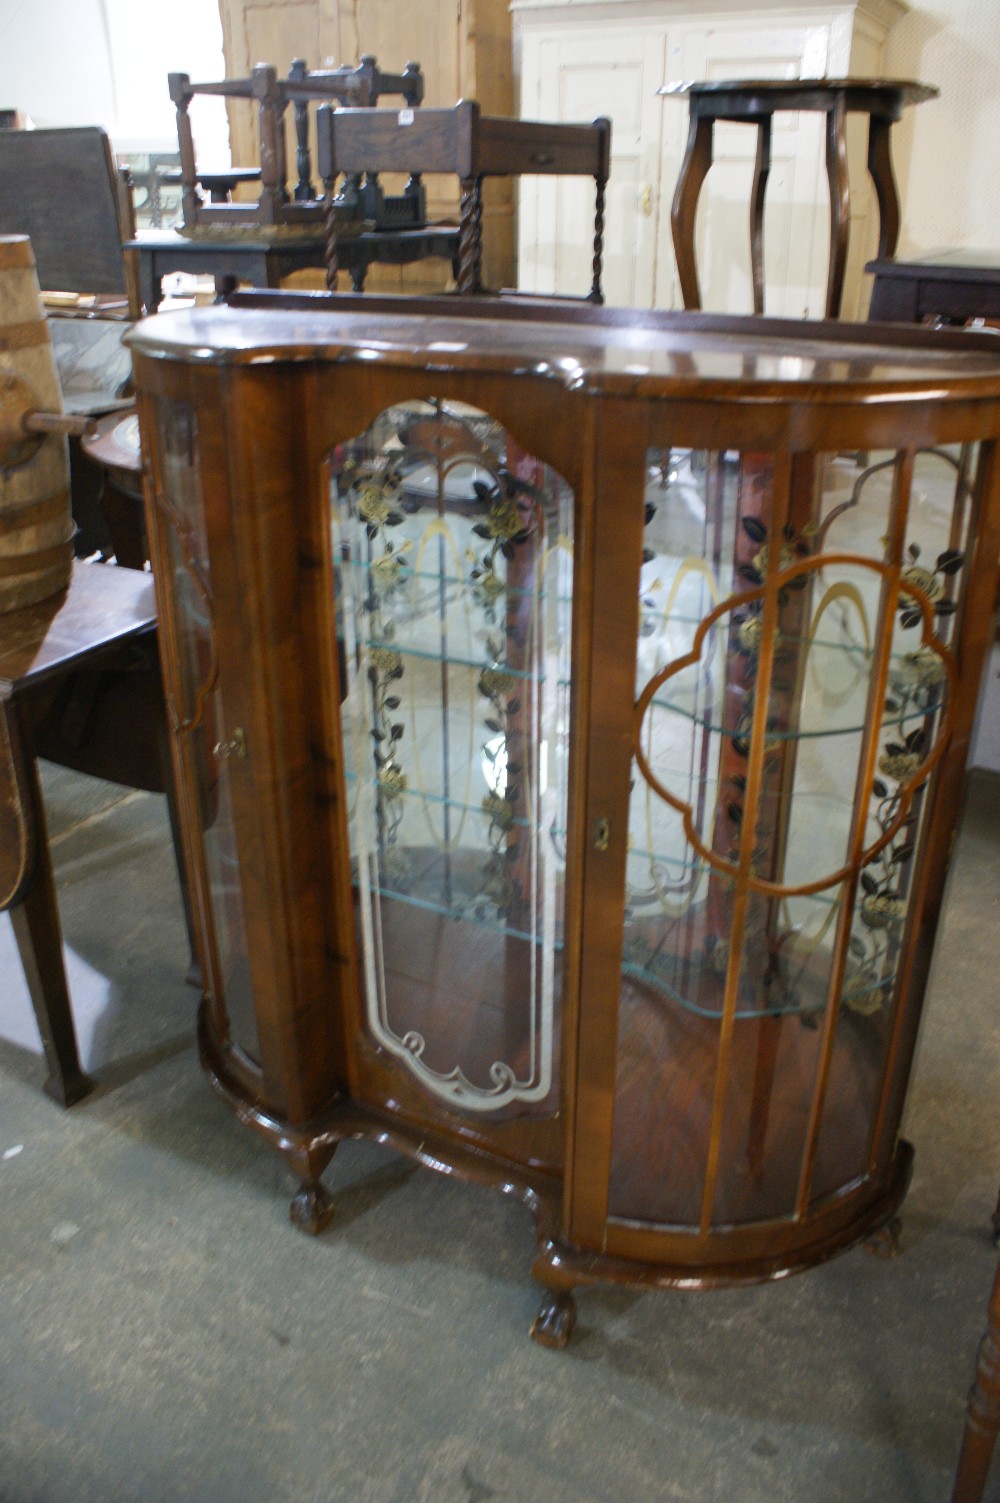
208 744
239 644
775 682
453 557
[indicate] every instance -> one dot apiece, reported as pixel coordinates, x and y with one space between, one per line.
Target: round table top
116 442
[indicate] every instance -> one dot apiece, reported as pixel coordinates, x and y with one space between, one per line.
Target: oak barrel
36 524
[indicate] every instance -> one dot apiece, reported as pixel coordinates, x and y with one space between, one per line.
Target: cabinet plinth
571 731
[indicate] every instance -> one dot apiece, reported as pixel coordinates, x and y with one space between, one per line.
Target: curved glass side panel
197 715
454 577
792 681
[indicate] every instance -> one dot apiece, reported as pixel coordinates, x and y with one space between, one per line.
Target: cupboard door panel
577 77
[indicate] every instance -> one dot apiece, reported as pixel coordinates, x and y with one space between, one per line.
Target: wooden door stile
902 484
618 501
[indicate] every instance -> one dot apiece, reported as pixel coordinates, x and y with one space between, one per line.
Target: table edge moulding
676 1113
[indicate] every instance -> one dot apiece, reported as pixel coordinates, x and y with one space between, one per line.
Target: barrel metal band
34 513
34 563
24 336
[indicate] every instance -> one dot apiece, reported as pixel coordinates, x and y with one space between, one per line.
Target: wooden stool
951 285
755 103
79 684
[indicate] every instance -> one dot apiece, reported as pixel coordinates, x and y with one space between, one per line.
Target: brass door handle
647 200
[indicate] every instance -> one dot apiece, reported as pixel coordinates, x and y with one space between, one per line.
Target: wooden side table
952 285
98 638
755 103
115 450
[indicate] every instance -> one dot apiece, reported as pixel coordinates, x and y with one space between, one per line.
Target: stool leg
880 168
694 170
983 1421
840 205
761 172
39 940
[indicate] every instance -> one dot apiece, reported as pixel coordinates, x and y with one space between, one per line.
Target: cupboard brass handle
602 835
236 746
647 200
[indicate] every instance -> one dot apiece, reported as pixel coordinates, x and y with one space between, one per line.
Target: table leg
761 172
150 291
840 205
694 170
880 168
35 918
983 1419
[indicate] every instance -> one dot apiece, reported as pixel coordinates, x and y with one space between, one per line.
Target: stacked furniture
469 145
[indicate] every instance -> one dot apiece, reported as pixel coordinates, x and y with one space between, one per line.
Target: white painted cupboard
581 58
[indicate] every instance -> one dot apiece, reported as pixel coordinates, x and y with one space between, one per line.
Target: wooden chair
62 188
274 208
470 145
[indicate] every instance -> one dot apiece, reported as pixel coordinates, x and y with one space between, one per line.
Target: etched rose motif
921 579
391 781
881 910
494 683
500 812
861 996
503 520
750 633
385 660
786 558
921 669
490 586
899 765
719 959
385 571
373 506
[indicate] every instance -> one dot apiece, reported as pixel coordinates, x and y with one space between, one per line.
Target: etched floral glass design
793 705
454 581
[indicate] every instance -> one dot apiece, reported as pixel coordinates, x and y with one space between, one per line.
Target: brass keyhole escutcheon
602 835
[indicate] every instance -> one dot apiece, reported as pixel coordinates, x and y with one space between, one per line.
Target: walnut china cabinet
570 728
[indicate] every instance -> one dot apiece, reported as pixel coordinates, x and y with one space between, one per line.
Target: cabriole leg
556 1317
312 1206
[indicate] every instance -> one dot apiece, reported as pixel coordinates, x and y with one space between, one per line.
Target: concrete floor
165 1334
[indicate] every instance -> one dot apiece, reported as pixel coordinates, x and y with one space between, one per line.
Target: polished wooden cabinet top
612 350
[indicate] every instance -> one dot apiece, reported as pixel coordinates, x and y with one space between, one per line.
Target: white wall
947 152
105 62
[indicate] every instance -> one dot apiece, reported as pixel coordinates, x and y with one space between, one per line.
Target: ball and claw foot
885 1242
312 1209
555 1320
